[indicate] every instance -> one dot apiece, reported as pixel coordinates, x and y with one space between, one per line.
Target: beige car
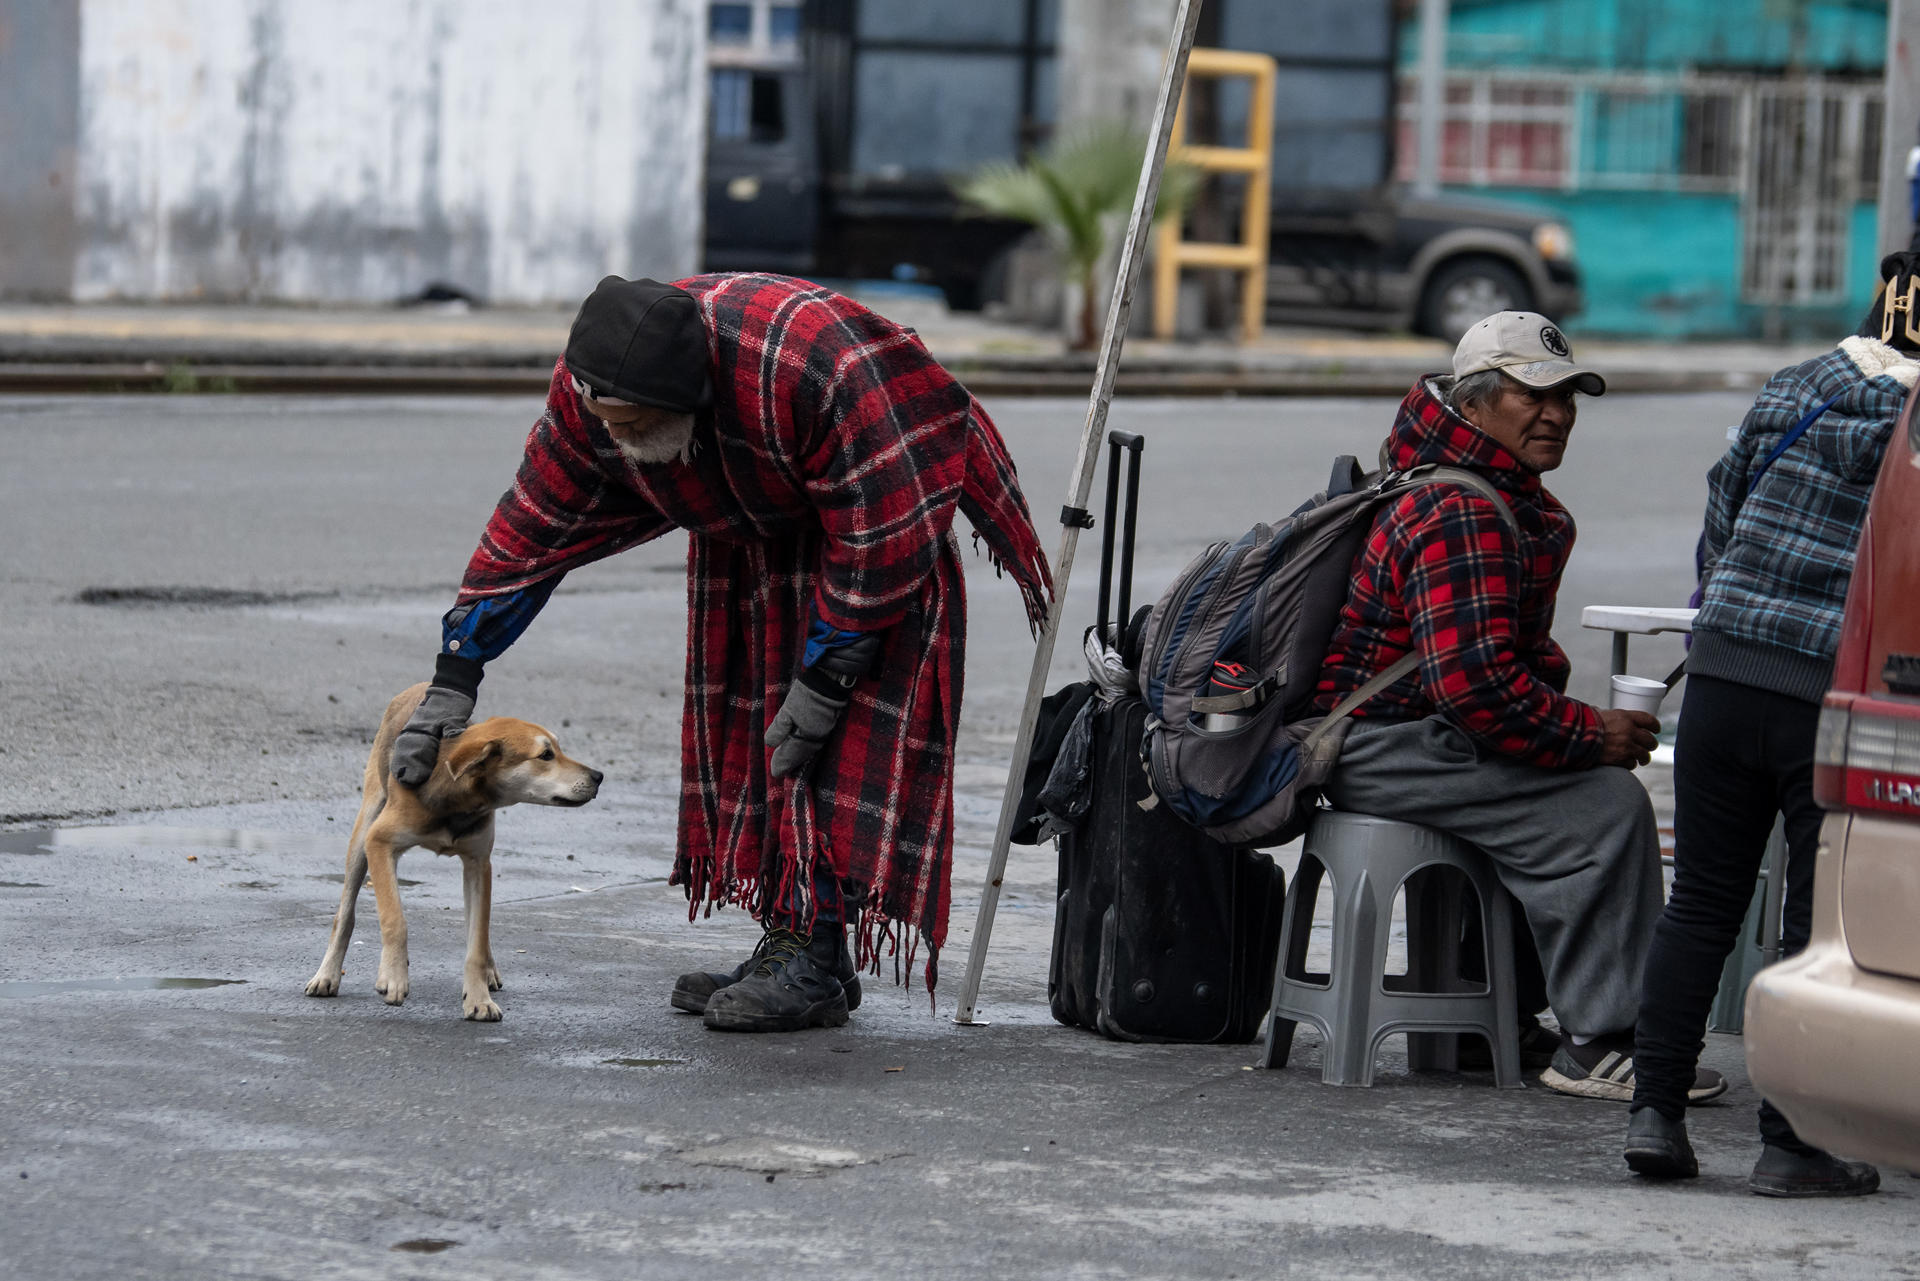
1833 1035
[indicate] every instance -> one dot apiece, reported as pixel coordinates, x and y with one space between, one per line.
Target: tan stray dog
486 767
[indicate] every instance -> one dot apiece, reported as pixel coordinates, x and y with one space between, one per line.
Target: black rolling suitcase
1160 933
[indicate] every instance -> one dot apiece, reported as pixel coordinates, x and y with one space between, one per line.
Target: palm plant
1077 191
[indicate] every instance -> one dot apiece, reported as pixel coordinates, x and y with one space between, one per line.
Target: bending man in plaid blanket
1481 740
816 455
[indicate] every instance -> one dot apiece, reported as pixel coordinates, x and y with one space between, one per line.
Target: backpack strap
1430 474
1798 430
1440 474
1344 708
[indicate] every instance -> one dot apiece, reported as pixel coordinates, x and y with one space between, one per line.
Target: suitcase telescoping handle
1132 443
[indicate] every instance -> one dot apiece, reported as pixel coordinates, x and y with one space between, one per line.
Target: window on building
745 33
730 96
730 24
767 117
747 106
1873 122
783 25
1709 135
1526 134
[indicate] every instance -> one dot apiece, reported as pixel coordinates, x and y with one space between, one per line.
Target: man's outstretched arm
565 509
471 635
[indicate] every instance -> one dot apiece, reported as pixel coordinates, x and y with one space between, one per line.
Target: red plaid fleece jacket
826 478
1441 573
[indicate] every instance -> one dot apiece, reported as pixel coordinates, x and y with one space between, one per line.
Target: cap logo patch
1554 341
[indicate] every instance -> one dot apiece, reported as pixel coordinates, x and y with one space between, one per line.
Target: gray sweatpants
1578 848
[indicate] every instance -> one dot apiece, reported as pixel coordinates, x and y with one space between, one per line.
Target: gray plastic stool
1357 1005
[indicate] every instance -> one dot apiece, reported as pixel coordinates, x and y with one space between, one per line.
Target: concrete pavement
205 604
444 349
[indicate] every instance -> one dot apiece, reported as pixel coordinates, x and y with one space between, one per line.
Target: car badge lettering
1554 341
1887 792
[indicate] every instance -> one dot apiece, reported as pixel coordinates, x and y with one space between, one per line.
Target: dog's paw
478 1008
393 987
323 984
492 976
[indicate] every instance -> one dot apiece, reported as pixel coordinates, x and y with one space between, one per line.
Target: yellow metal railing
1248 255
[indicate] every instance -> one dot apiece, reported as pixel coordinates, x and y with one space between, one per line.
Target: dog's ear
464 754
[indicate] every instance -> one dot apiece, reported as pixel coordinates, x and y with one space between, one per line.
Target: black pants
830 898
1744 755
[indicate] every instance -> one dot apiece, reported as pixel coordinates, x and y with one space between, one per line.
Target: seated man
1481 740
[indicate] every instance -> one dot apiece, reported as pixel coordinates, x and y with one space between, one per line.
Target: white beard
661 444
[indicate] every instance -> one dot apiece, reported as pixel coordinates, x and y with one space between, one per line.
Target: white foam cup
1638 694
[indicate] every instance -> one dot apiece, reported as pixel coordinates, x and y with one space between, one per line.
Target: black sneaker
1603 1069
792 987
691 992
1658 1148
1537 1045
1780 1172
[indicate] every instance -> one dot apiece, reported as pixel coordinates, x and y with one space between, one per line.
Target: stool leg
1497 908
1433 960
1303 897
1290 961
1359 954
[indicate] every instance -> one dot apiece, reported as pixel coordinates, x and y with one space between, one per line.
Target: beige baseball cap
1527 347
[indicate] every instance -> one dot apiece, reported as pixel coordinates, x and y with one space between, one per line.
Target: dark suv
1393 260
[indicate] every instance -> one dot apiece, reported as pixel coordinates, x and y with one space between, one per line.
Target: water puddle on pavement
644 1063
53 840
21 885
423 1245
53 987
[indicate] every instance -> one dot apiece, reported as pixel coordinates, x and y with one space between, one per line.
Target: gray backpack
1232 654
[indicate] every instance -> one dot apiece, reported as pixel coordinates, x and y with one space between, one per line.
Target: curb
983 379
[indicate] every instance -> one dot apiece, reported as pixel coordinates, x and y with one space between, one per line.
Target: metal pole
1172 76
1899 122
1433 98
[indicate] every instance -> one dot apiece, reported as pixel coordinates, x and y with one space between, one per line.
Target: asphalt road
204 605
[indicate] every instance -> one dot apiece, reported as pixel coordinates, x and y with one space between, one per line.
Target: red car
1834 1033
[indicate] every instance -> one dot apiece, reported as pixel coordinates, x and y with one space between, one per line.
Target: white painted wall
1110 56
353 150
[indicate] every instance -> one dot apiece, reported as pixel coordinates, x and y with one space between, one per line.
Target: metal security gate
1807 159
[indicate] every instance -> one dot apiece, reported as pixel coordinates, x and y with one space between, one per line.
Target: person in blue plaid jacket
1784 511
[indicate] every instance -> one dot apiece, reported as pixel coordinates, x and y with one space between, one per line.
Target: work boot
691 992
1783 1172
792 987
1658 1148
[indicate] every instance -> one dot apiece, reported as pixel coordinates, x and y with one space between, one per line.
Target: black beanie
644 342
1899 269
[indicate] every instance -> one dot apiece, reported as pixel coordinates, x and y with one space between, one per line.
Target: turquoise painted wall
1667 265
1663 35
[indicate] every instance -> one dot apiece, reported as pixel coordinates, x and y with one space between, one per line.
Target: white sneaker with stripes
1603 1069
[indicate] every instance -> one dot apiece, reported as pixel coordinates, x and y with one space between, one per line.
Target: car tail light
1866 756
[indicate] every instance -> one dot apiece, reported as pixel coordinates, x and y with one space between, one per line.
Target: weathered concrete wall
354 150
39 124
1110 55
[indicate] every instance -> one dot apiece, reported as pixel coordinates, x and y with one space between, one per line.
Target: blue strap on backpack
1798 430
1786 441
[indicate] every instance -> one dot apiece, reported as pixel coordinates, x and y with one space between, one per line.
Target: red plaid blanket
827 474
1440 571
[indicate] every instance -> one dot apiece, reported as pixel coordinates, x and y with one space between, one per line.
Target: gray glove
442 712
804 722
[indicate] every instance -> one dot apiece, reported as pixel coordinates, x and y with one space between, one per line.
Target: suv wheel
1468 290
